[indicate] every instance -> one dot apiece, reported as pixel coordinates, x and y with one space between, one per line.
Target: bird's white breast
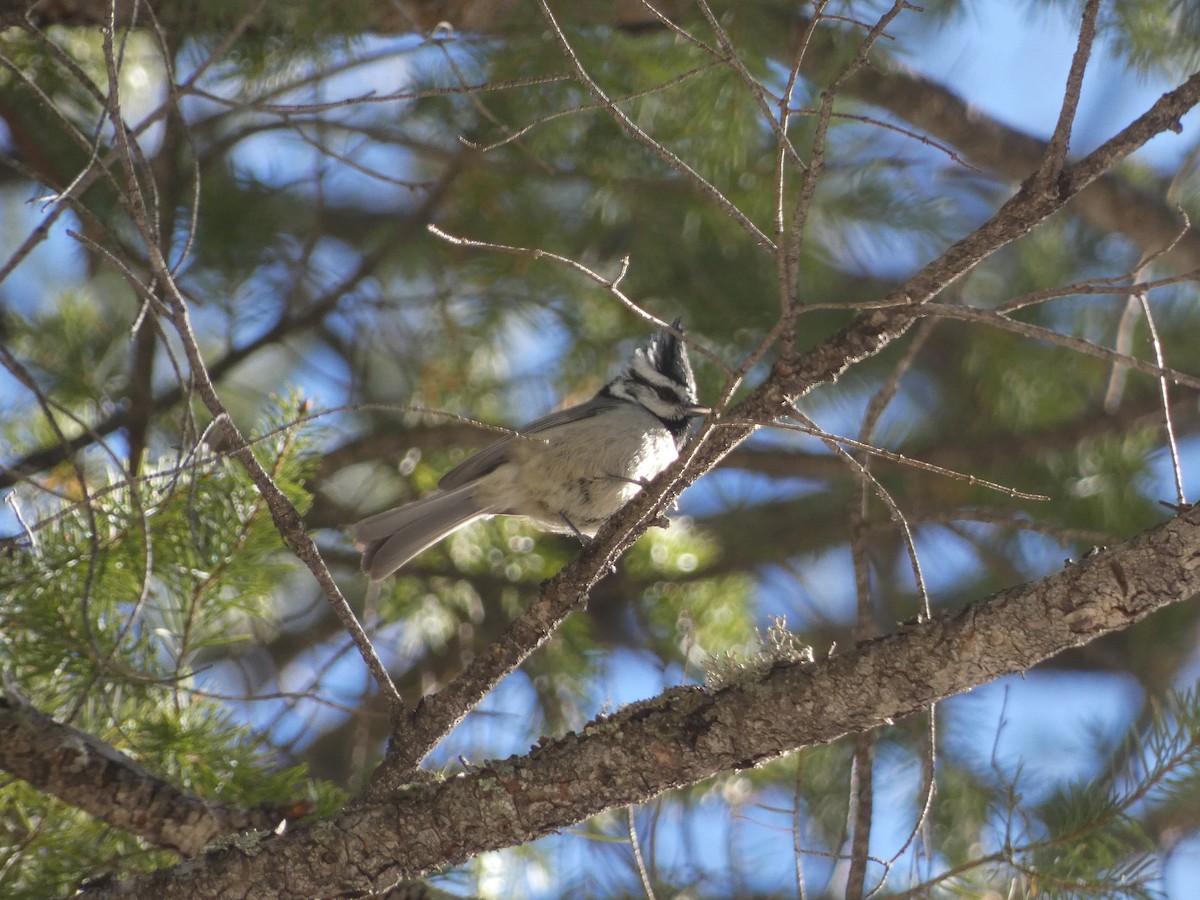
580 472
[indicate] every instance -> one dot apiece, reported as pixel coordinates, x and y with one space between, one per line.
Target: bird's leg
662 521
640 482
583 538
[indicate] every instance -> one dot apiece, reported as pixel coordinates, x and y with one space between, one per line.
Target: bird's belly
574 478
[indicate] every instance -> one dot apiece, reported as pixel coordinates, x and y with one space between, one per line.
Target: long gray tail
390 539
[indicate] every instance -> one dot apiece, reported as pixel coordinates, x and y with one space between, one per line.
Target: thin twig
862 804
1096 286
988 317
1164 393
635 131
1056 149
609 284
928 792
816 164
875 409
590 107
286 110
1123 343
761 95
917 136
643 873
287 519
863 473
797 827
973 480
787 264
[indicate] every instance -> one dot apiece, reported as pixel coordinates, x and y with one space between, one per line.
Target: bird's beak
697 411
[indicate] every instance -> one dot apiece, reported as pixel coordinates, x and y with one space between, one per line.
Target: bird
567 472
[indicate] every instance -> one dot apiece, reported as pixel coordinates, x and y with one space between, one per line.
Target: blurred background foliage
292 179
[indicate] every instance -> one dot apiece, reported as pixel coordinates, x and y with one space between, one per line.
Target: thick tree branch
92 775
690 734
790 379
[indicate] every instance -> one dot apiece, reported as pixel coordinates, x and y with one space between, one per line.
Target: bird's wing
496 454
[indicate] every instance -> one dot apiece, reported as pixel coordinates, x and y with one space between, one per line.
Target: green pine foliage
112 613
1087 838
158 609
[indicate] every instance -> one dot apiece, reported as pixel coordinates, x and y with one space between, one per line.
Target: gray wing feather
496 454
390 539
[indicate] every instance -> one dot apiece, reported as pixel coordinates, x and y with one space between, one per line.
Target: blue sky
1002 55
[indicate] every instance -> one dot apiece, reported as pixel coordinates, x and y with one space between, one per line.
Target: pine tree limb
689 734
93 776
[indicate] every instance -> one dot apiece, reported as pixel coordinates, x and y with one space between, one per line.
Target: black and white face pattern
660 379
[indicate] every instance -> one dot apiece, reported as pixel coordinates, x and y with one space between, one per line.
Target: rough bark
92 775
689 734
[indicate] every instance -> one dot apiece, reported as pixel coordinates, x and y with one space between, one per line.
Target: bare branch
634 131
92 775
1056 150
1164 392
693 733
1080 345
287 519
609 284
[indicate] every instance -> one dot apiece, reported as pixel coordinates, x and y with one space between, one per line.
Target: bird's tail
390 539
